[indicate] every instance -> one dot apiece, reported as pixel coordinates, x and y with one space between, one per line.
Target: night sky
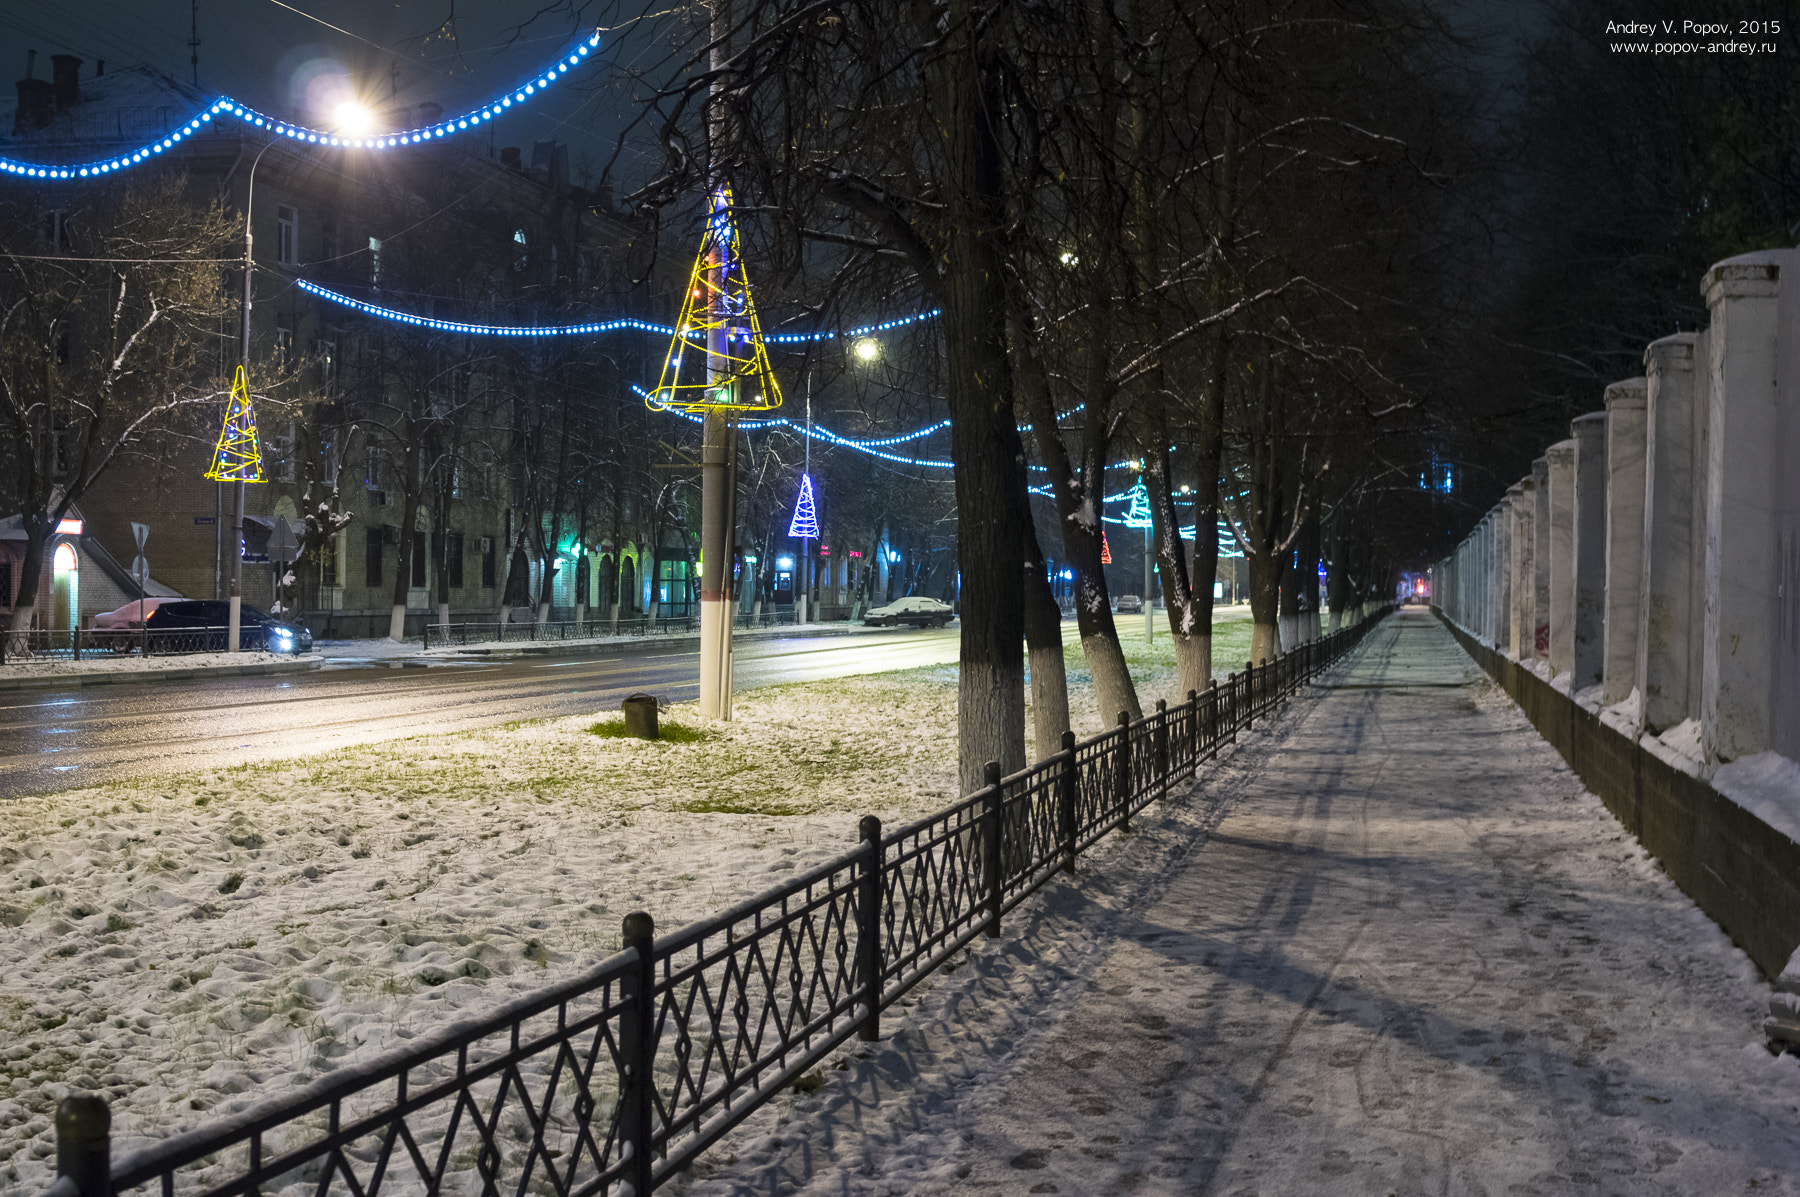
457 53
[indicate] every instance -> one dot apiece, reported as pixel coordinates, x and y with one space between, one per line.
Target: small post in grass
640 717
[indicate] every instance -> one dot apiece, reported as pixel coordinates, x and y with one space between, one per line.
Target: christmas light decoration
225 106
593 328
237 457
587 328
1139 515
718 308
805 524
1105 549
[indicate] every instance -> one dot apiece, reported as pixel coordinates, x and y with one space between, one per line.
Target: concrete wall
1741 871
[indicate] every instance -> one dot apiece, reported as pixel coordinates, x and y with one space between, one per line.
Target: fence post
1065 802
991 854
1194 734
1249 694
868 930
84 1145
425 643
1122 772
75 640
637 1034
1162 748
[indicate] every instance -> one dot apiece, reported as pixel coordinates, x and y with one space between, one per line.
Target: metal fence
76 644
477 632
614 1081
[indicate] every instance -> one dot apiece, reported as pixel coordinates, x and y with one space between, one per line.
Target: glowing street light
353 119
867 350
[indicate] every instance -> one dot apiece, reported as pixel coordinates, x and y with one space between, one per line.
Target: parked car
919 611
122 629
209 619
1130 604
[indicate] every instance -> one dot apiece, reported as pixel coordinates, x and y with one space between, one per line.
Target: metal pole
1149 606
806 568
237 525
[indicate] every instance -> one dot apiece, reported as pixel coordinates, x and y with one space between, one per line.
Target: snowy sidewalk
1392 947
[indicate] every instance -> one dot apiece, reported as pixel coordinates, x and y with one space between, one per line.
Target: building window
56 230
327 561
284 348
287 235
487 562
62 447
418 559
521 251
5 583
324 355
372 558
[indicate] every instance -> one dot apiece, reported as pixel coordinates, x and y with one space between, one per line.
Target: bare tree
109 302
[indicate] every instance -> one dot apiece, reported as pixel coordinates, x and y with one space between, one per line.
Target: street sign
142 532
282 543
140 568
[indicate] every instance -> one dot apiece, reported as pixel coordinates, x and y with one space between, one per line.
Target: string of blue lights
587 329
225 106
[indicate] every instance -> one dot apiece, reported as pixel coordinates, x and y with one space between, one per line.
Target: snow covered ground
1391 946
188 945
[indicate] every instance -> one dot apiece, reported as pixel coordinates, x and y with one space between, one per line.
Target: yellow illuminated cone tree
237 457
717 313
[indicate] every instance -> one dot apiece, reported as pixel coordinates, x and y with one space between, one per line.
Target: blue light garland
872 447
485 330
226 106
566 330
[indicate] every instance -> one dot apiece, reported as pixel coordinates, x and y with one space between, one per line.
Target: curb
542 648
78 680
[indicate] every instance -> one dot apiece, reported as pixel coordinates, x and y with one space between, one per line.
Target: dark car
203 624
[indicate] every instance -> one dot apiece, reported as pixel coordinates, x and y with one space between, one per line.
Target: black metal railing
90 644
614 1081
478 632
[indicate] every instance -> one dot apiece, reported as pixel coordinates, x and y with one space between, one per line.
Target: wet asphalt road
60 739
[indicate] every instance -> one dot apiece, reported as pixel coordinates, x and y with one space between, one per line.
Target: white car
132 614
919 611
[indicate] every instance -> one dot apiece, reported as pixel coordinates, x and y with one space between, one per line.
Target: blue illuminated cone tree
805 523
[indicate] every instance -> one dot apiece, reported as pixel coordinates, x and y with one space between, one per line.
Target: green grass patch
670 733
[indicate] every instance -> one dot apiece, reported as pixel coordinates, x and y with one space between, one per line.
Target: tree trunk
991 501
1043 640
1190 622
1077 493
409 516
1265 638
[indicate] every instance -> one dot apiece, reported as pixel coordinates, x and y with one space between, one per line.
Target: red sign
69 527
824 550
855 553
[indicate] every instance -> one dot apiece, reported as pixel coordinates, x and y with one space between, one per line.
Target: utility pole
236 547
194 39
718 457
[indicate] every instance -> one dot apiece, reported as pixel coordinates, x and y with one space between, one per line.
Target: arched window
520 254
65 558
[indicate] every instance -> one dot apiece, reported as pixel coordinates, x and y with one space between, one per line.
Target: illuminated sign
824 550
855 553
69 528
